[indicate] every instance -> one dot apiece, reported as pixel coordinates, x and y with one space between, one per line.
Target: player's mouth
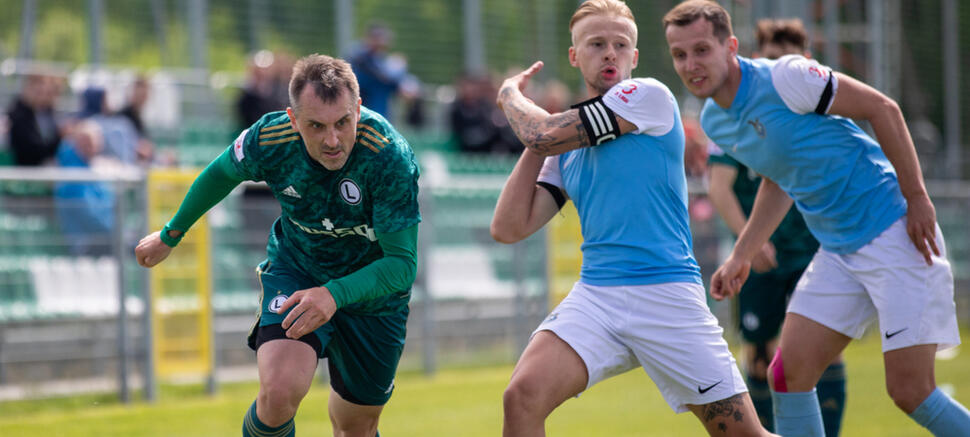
331 154
697 81
609 73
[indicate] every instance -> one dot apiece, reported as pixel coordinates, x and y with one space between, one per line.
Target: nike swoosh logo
893 334
704 390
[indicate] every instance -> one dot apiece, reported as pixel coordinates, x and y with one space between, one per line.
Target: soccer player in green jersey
341 257
779 264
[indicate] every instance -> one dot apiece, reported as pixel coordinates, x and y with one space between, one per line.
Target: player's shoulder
379 137
641 90
268 137
797 68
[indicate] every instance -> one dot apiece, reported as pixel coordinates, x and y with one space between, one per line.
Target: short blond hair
603 7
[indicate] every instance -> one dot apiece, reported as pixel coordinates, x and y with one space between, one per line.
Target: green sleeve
394 272
213 184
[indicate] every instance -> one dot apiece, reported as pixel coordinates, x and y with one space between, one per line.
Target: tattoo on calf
729 408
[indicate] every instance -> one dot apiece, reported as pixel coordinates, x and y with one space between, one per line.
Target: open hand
312 308
921 226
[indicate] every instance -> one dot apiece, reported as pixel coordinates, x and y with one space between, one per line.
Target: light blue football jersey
631 193
840 179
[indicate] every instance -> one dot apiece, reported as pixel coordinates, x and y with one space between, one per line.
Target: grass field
460 402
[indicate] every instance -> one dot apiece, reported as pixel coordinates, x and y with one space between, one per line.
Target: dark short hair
327 75
692 10
781 32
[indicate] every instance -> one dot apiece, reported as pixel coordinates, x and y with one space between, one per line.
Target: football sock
831 397
797 414
942 415
252 427
761 397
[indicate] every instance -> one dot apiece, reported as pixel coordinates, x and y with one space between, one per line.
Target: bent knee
908 395
522 397
281 397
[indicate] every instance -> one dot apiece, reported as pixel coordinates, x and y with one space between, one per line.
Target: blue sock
797 414
761 398
252 427
831 398
942 415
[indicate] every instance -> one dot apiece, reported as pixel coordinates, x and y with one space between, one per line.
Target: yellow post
565 257
180 286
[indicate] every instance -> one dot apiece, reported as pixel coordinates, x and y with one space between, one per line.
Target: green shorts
762 303
362 350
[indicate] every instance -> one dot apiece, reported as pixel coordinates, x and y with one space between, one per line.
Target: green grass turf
456 402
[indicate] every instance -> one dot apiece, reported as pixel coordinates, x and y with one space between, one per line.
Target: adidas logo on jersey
290 191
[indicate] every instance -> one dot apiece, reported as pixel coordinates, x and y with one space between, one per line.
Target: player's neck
724 96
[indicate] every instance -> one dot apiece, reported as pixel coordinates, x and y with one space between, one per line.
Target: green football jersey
793 241
329 218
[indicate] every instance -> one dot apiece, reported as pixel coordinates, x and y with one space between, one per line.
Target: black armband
826 98
555 191
598 119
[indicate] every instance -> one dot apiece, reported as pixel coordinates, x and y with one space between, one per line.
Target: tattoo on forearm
724 411
530 131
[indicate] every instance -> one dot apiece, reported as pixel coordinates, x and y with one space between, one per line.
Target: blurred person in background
781 261
640 301
35 132
470 115
882 255
381 75
85 209
341 258
121 139
140 89
258 97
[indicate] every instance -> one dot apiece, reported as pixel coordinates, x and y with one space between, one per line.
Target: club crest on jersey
350 192
277 303
758 127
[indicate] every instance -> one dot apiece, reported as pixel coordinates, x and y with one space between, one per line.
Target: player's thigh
678 342
549 372
832 295
286 367
363 355
582 326
807 348
910 374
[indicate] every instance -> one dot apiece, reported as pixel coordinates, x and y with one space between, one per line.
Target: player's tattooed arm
543 133
722 414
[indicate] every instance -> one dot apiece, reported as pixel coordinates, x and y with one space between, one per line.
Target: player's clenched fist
151 250
729 278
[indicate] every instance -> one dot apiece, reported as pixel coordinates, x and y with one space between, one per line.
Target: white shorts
886 279
665 328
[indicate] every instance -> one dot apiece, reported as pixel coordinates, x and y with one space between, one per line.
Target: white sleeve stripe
604 117
594 121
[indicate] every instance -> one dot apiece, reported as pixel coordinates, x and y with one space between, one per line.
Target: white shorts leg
665 328
885 279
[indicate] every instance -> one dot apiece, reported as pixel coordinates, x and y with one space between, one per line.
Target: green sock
831 398
252 427
761 398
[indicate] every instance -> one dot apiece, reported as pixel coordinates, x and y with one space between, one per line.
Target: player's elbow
505 232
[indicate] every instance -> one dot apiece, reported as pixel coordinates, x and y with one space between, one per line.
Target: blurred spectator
84 209
477 124
554 97
34 130
266 91
471 115
120 136
258 95
132 111
381 75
